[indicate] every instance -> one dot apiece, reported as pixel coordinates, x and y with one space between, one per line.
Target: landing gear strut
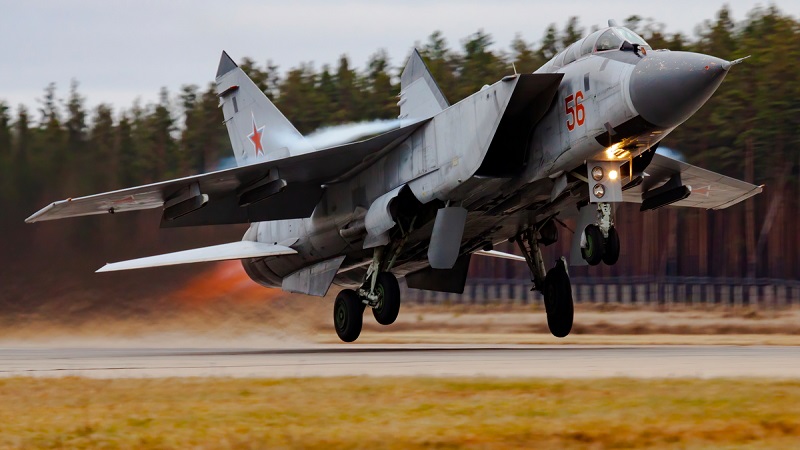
553 284
600 240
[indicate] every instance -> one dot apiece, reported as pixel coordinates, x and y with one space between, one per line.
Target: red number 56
576 114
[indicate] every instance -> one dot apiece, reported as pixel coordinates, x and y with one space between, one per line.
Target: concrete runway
406 360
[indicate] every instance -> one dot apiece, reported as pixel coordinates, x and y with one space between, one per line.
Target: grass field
398 413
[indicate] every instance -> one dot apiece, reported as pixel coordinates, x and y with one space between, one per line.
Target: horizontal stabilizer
234 250
501 255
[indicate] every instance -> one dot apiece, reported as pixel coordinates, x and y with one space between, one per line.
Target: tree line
749 129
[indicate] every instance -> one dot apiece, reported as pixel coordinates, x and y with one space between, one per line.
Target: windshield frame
612 33
631 36
577 50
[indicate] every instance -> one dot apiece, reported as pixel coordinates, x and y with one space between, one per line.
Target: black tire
558 301
593 252
611 250
388 299
348 314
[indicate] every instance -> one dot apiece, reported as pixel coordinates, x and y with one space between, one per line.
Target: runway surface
406 360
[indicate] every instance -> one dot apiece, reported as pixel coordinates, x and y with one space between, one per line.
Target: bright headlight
597 173
612 174
599 190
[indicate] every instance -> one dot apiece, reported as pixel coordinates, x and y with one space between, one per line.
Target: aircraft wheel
611 250
388 306
593 252
348 313
558 300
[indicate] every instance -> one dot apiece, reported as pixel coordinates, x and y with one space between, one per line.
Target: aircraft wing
301 179
233 250
709 190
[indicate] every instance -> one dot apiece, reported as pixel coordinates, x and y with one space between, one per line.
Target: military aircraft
507 163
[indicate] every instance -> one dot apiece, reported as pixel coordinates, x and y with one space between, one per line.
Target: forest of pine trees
748 130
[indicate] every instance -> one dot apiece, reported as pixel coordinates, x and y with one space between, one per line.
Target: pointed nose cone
668 87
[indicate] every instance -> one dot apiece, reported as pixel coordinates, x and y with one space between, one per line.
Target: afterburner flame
223 281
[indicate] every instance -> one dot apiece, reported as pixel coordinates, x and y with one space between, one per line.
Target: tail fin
258 131
420 96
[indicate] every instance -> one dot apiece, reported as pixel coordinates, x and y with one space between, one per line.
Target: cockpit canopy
608 39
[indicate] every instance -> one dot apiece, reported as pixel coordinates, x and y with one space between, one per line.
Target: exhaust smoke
330 136
349 132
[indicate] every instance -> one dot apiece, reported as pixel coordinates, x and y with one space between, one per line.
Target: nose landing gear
611 247
601 241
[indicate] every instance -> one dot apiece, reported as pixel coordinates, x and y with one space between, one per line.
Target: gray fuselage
597 105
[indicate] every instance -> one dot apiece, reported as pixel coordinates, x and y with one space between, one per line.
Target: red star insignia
255 137
123 200
703 190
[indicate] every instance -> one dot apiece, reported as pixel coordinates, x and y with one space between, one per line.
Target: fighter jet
508 163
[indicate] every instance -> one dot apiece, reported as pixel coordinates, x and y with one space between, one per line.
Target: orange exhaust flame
224 281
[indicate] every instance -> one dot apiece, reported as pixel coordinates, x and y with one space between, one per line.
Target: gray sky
123 50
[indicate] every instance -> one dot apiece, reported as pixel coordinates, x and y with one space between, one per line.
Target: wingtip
35 216
114 267
226 64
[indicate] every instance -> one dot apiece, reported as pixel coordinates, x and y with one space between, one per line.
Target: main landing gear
600 240
348 313
380 291
348 309
554 284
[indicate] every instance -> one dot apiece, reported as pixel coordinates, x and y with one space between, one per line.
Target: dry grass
398 413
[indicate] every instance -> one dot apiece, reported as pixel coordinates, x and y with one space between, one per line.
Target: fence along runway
567 361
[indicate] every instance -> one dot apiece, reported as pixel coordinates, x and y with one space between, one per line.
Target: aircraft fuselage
593 114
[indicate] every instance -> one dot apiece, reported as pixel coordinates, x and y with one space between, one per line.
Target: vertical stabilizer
420 96
258 131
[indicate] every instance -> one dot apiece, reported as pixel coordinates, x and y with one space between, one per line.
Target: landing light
597 173
617 152
599 191
613 175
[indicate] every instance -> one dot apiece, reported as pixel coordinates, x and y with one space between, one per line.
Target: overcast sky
123 50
